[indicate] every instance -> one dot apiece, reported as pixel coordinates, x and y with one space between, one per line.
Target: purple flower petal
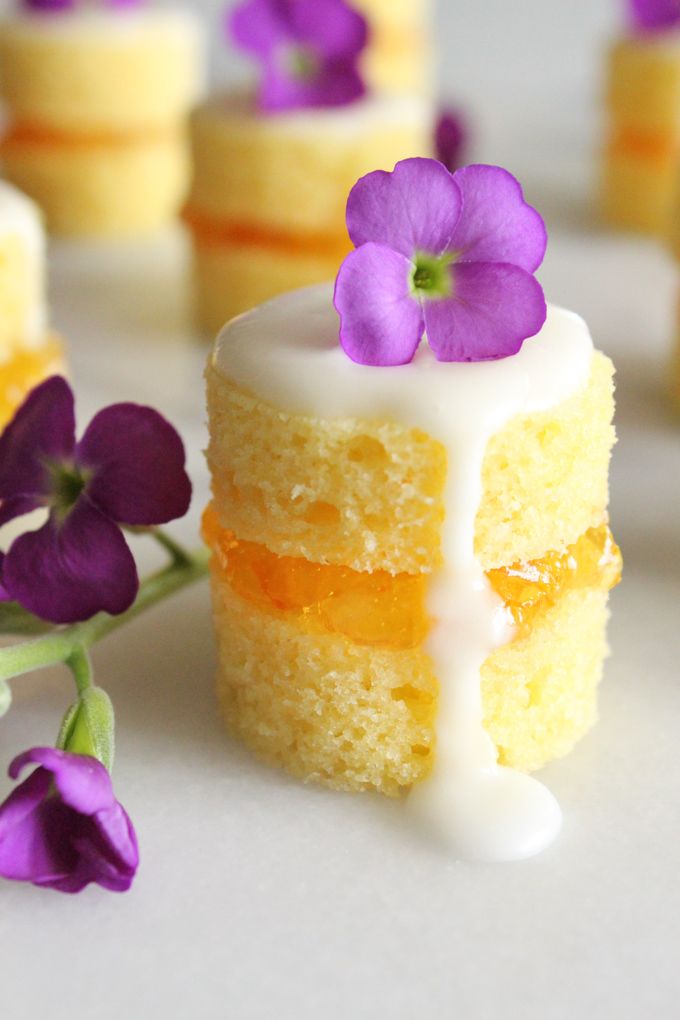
84 785
17 507
257 26
42 430
332 28
450 139
336 84
494 308
67 572
381 323
496 224
651 15
137 459
414 208
63 827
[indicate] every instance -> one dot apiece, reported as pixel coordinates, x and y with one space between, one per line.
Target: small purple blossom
450 139
654 15
69 5
309 50
128 469
63 827
449 254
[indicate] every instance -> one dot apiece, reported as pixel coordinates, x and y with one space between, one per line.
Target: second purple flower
128 469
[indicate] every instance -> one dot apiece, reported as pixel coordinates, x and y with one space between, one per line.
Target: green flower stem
63 645
80 664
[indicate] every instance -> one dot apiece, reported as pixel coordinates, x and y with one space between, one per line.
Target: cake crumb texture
359 718
369 494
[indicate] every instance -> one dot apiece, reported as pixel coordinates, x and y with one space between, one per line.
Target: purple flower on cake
128 469
309 50
450 138
63 827
654 15
452 255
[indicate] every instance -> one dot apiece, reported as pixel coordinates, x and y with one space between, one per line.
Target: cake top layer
103 23
239 105
22 269
287 353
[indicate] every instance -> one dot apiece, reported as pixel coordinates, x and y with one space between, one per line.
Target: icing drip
286 352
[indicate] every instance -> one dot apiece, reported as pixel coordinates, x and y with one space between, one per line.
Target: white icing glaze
375 109
287 353
21 218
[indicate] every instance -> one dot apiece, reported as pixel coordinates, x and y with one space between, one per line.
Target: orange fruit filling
654 147
21 134
217 233
24 371
389 610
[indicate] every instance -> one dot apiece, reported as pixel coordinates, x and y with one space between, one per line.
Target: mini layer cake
643 148
267 207
98 102
28 353
400 54
330 494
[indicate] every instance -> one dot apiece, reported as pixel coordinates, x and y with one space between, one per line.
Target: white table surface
261 898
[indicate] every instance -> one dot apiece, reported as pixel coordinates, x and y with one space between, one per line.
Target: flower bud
88 727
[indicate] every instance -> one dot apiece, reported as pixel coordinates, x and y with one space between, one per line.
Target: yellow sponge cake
336 490
28 353
98 102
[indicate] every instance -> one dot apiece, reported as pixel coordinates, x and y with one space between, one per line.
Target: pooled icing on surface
287 354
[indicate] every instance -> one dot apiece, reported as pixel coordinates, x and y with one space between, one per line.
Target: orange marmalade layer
31 135
24 371
212 232
389 610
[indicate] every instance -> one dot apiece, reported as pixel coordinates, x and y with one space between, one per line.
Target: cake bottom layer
89 188
356 718
233 276
639 186
24 370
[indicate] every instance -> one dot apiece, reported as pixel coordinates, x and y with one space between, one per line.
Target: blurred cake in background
28 351
272 168
400 54
642 152
98 100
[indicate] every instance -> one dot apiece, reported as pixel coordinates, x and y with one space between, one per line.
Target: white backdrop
262 899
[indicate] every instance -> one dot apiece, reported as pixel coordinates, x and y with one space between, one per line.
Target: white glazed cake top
20 218
287 354
377 109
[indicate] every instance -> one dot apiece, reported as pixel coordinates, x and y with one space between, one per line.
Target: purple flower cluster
63 828
309 50
450 254
128 469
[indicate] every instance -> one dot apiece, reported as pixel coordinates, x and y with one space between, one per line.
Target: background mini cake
400 56
98 101
28 352
267 206
325 531
642 153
